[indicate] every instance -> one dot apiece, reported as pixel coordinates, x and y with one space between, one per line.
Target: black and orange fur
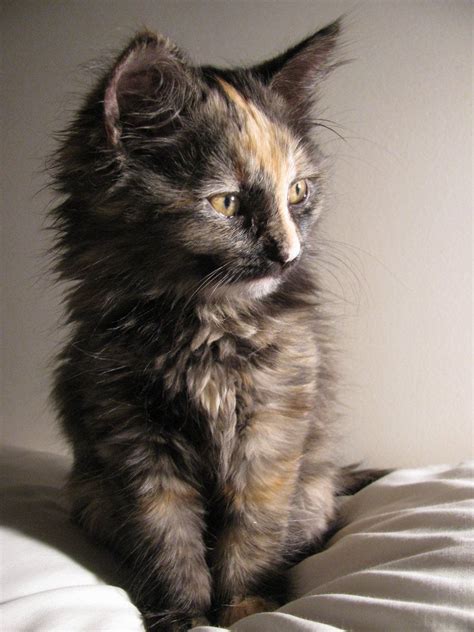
196 389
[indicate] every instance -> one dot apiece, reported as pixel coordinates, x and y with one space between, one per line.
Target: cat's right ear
146 88
296 73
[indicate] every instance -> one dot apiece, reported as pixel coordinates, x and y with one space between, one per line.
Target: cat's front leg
249 557
154 522
314 508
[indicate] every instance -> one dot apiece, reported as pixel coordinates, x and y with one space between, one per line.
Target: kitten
196 390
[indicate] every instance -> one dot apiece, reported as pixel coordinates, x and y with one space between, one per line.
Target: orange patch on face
260 139
267 147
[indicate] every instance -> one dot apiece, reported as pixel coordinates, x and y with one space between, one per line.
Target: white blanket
404 561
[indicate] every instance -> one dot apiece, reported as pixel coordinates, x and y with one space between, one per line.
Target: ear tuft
144 81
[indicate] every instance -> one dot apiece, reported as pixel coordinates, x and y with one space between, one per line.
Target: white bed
404 561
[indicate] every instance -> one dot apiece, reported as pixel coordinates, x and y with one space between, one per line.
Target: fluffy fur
196 389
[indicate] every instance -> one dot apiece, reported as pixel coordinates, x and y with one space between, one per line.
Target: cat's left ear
295 73
146 89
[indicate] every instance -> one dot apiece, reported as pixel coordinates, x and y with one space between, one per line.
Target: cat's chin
251 289
258 288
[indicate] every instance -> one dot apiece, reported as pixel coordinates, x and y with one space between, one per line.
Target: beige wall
399 228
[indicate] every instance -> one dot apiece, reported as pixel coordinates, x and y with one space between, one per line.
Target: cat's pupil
228 200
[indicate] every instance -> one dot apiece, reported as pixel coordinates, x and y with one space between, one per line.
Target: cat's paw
241 608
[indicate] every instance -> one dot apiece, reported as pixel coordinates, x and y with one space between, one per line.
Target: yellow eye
298 192
225 203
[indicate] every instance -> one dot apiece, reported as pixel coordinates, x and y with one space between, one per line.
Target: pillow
54 579
403 561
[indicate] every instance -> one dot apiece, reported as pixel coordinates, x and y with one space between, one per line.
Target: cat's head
194 179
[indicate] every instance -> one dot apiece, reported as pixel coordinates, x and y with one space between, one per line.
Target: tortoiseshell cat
196 390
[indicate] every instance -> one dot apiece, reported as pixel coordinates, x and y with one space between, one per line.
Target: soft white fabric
53 579
403 562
